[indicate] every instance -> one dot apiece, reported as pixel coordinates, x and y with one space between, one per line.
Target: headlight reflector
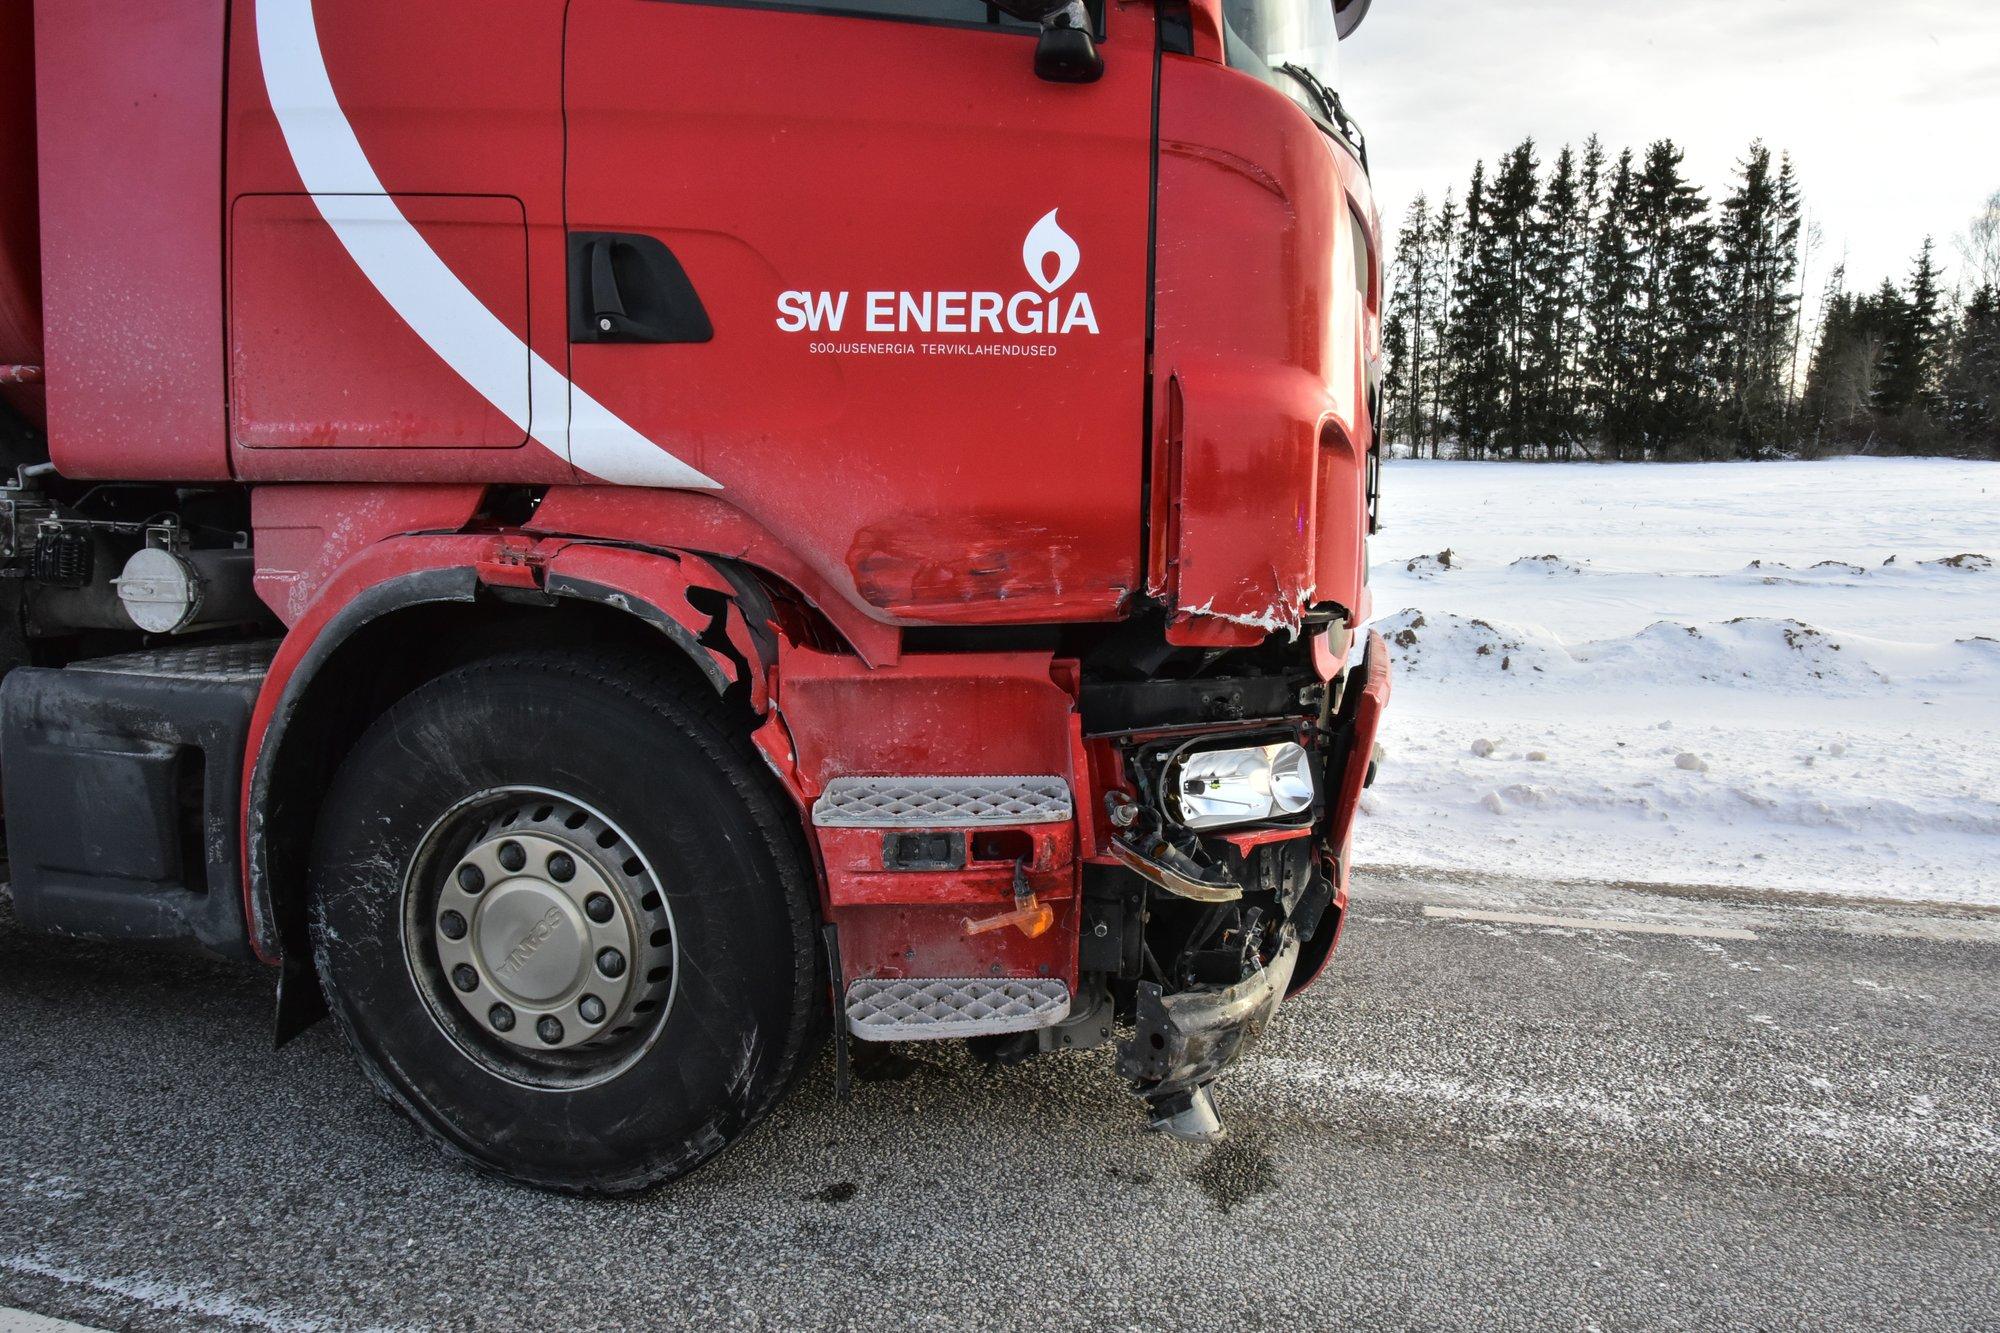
1218 788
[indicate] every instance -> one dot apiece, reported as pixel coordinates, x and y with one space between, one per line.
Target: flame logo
1047 240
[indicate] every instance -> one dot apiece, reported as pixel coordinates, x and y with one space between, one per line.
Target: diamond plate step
941 802
217 663
922 1008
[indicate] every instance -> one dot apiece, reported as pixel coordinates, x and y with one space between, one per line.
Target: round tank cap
159 590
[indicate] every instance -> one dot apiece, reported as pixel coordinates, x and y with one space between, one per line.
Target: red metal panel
955 714
941 476
857 876
20 249
446 98
705 521
305 533
315 364
963 714
130 105
1261 355
931 942
663 582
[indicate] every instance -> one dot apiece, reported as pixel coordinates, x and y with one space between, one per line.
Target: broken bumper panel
1182 1042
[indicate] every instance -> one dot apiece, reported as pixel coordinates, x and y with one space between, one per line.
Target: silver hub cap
548 930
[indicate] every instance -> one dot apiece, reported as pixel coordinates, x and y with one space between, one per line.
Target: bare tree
1980 246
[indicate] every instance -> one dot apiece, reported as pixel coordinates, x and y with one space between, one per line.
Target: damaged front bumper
1181 1042
1237 918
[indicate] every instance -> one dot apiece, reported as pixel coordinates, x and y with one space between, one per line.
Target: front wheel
564 920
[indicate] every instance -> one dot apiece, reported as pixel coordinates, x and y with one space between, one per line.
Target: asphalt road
1469 1122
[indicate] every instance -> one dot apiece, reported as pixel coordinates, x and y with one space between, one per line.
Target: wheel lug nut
598 908
591 1009
562 867
610 962
549 1029
471 878
464 977
501 1017
452 926
512 857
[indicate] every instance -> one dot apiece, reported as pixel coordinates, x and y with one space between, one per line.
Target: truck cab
607 542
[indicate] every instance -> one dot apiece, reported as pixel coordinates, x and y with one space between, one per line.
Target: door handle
607 308
628 287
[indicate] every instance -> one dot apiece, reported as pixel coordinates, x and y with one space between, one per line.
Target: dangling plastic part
1033 918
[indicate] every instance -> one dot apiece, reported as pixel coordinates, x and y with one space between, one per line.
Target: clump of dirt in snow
1546 564
1451 643
1430 566
1969 560
1776 572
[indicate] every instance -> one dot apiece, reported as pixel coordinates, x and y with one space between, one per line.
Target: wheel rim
539 937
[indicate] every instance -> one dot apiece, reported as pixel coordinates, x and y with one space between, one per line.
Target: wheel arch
409 609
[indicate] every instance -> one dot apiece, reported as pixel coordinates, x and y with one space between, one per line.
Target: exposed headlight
1217 788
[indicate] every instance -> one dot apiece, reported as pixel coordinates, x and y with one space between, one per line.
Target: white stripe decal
420 286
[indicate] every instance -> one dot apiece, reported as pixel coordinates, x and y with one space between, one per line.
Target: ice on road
1780 676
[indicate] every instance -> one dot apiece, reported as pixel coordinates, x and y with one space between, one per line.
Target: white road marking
1589 923
165 1296
27 1321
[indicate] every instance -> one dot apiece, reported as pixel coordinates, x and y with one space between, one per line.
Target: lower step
923 1008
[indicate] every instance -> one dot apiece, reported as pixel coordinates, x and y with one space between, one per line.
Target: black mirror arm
1066 52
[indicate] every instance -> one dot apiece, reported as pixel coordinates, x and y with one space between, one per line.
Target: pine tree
1406 327
1909 353
1477 361
1611 288
1444 273
1674 324
1851 363
1757 265
1561 238
1971 388
1511 274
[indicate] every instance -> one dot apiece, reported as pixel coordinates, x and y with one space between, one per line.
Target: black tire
650 748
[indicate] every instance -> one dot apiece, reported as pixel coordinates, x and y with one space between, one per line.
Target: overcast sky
1890 108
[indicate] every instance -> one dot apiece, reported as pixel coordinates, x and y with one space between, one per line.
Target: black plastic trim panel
123 792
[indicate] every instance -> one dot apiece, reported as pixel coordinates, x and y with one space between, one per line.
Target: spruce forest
1606 307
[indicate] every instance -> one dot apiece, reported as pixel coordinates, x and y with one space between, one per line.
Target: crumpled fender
1360 718
664 589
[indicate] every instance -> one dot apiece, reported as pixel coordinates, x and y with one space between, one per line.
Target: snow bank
1747 652
1776 676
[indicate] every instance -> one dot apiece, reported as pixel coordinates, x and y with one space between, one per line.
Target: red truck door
923 275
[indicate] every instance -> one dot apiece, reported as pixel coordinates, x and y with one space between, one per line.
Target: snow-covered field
1778 676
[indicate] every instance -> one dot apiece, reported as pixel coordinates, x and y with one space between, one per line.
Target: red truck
602 560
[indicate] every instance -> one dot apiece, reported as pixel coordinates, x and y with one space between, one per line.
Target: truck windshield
1291 44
